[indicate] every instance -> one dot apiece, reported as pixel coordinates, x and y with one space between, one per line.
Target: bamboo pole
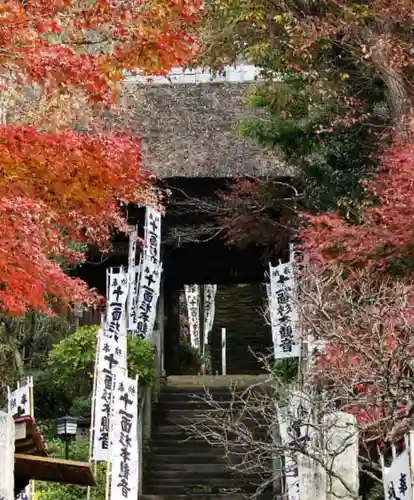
92 426
223 352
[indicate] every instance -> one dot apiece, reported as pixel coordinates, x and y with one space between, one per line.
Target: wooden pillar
172 328
7 432
160 315
158 343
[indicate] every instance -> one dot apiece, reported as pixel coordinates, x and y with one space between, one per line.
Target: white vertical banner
124 450
25 494
342 451
117 294
112 359
283 313
150 278
21 399
132 281
152 241
7 437
209 309
397 477
149 291
290 469
132 312
192 297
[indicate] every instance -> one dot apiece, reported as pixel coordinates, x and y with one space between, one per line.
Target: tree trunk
399 98
10 338
18 360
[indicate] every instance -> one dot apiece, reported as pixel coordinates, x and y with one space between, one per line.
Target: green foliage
71 362
141 360
189 359
374 493
25 344
65 386
312 131
285 370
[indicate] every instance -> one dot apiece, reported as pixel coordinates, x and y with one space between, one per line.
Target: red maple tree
90 44
386 232
61 188
373 347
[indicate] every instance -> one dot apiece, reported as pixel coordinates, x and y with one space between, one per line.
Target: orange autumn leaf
61 188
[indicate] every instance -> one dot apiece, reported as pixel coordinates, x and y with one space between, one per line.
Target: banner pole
8 399
31 387
223 352
109 458
32 487
92 427
411 455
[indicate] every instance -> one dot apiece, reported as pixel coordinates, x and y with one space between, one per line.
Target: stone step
179 391
196 457
181 417
222 381
183 448
176 437
185 442
186 418
161 427
204 496
172 434
195 475
190 468
196 404
207 485
184 430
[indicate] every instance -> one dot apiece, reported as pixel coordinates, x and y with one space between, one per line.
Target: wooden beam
52 469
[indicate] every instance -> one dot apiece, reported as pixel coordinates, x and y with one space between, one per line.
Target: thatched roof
191 129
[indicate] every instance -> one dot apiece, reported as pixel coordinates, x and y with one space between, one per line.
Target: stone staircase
179 466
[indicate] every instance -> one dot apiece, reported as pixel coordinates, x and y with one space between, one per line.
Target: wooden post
172 330
161 318
277 483
147 414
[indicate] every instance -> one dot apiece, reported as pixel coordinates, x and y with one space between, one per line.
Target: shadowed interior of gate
195 252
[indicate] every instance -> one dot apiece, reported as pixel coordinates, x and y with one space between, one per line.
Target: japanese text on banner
24 494
21 400
132 281
115 323
192 296
397 478
152 241
124 452
112 361
209 309
149 291
150 278
132 313
283 311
